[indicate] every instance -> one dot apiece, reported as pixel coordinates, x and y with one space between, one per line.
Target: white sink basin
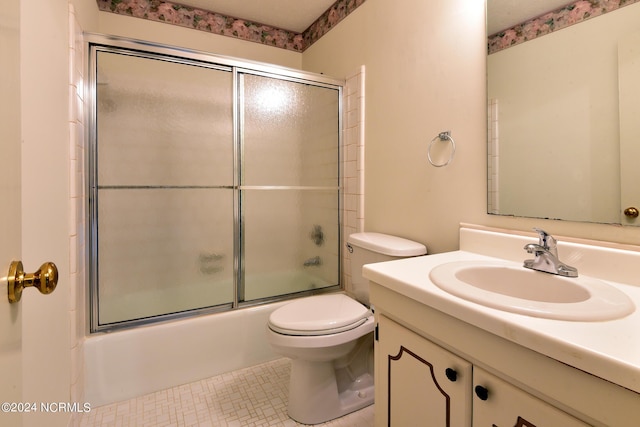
510 287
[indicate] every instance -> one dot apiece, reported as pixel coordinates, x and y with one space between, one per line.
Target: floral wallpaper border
573 13
204 20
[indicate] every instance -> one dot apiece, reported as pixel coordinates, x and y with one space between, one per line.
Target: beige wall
86 12
172 35
423 78
425 74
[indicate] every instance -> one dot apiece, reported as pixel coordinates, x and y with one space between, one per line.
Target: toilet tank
369 247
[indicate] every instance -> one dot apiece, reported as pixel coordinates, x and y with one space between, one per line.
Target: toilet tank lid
387 244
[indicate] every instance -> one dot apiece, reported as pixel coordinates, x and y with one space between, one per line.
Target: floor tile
251 397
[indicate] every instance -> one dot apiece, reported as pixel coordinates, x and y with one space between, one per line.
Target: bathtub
125 364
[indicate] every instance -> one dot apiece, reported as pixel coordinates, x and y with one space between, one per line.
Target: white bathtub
125 364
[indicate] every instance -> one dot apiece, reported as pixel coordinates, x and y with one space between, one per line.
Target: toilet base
314 395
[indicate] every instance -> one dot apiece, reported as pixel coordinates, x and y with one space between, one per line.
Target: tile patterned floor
251 397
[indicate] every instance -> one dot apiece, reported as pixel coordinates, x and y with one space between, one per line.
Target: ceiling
298 15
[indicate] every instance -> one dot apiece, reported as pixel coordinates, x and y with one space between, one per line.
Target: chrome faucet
546 256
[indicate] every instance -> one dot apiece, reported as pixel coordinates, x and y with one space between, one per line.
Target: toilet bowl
329 338
317 393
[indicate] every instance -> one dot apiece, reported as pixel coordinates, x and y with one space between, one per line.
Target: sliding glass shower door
164 190
212 186
290 189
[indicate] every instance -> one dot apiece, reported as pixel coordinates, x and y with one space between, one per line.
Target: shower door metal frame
95 43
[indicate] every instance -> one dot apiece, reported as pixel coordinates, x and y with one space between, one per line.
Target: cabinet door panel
508 406
416 389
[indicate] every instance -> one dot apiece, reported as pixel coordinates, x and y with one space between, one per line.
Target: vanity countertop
606 349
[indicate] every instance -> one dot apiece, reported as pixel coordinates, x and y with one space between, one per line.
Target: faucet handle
547 241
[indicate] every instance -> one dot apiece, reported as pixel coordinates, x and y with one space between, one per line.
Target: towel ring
442 136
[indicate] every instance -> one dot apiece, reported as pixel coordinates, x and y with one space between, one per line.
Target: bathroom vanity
447 361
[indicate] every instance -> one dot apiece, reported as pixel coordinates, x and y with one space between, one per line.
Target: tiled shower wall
353 165
77 210
493 154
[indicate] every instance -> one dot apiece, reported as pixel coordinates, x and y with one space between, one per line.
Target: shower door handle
45 279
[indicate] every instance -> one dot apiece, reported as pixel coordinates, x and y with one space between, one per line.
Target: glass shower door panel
290 186
165 186
163 123
163 251
291 241
290 133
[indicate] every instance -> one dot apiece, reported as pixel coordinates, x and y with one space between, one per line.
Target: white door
629 91
10 212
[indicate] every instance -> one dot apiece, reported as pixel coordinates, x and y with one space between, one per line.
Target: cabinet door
500 404
417 382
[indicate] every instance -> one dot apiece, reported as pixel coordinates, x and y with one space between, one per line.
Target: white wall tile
353 164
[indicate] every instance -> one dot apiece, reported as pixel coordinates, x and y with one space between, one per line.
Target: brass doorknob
631 212
45 279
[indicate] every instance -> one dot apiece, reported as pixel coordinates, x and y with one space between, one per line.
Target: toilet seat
319 315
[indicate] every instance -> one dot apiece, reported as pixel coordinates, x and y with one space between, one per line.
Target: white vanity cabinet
420 383
416 344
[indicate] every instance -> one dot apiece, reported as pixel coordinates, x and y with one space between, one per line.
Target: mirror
563 108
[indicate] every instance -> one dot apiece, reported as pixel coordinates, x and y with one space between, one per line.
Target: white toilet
330 337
